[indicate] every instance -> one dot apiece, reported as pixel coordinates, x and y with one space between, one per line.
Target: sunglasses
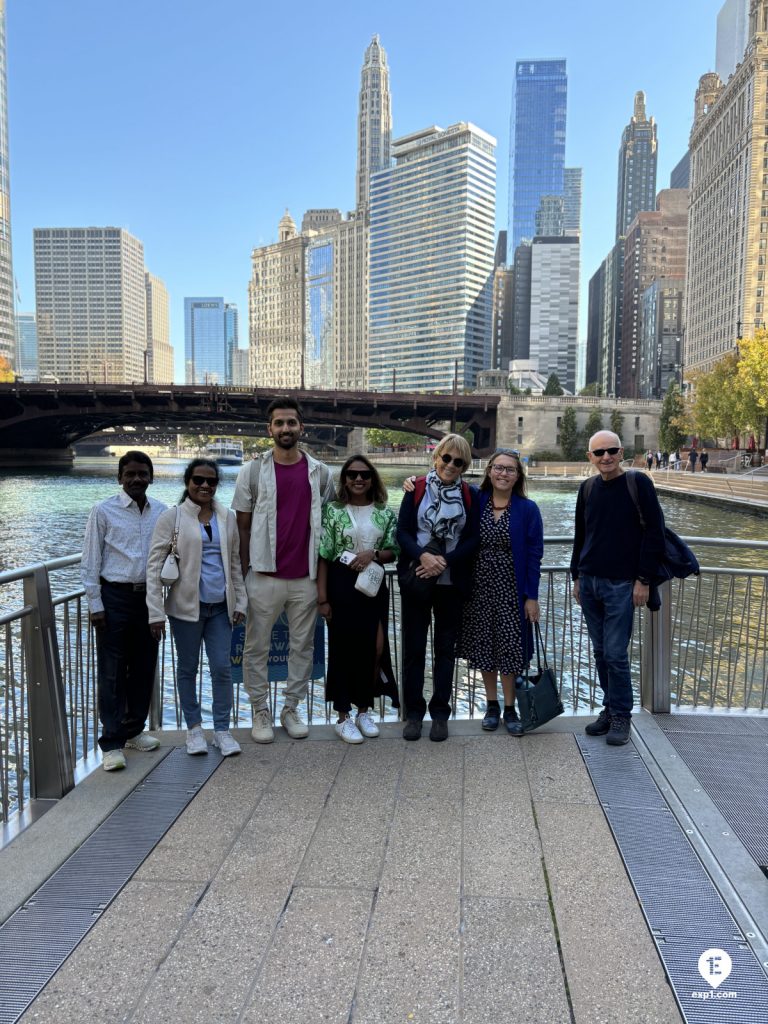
362 474
599 452
198 481
448 459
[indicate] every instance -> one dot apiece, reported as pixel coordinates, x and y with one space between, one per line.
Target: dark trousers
445 605
126 660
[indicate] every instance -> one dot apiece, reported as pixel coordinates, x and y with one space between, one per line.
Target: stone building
159 348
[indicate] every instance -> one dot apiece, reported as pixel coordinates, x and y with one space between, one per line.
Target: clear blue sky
194 125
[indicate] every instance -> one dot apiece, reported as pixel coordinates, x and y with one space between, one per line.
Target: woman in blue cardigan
496 635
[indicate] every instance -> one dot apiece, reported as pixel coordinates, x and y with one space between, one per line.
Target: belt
138 588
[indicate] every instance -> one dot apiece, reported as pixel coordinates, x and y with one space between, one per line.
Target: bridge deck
472 881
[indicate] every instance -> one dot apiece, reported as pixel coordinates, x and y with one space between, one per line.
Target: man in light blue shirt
114 571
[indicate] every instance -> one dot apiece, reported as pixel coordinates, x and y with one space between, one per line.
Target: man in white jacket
278 500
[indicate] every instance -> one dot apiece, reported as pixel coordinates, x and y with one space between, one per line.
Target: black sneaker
618 734
412 730
491 718
512 722
439 730
601 726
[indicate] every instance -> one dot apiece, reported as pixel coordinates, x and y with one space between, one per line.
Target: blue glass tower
537 142
210 337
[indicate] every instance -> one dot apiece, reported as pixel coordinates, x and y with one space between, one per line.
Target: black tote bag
537 695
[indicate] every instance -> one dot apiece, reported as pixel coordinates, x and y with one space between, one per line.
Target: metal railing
706 648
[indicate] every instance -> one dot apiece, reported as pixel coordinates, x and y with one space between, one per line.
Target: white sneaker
196 743
290 719
226 743
111 760
262 731
143 742
366 724
348 731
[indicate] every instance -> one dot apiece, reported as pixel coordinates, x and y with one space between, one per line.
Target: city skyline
118 162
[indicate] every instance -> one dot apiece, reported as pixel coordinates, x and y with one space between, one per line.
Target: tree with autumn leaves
7 376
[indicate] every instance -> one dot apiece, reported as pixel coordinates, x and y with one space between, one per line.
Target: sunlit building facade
91 303
210 337
319 313
26 346
431 260
554 329
7 328
159 348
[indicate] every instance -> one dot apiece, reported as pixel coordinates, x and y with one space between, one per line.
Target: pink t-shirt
294 504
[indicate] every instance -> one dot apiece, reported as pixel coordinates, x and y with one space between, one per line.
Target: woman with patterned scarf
437 531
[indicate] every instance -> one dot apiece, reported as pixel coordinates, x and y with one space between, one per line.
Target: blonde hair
456 443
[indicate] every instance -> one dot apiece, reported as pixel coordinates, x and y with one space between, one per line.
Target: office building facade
572 190
91 305
554 330
638 155
319 362
431 260
728 218
210 337
374 120
159 348
7 325
537 142
26 346
661 337
680 176
732 29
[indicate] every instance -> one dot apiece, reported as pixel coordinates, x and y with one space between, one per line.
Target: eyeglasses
448 459
505 470
199 481
362 474
599 452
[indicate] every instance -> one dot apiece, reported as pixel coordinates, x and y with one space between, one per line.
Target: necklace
498 508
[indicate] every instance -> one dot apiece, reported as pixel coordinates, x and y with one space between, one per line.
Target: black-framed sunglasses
600 452
362 474
198 481
459 463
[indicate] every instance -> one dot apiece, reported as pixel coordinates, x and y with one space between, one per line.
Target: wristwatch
376 558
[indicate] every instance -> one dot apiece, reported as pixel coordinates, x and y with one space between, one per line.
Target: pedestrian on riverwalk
692 457
704 460
204 603
496 634
649 460
114 572
358 532
437 530
615 557
278 500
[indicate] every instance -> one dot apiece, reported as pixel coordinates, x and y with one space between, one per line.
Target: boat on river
225 451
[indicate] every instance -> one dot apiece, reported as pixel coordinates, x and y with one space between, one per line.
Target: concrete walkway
471 881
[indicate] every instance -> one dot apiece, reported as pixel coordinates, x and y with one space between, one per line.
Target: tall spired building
374 119
638 153
7 320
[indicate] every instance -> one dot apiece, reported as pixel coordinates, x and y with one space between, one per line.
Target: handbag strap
175 536
541 653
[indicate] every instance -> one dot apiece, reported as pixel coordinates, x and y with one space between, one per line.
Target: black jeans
445 604
126 659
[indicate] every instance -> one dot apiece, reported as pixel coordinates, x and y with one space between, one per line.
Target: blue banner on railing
277 667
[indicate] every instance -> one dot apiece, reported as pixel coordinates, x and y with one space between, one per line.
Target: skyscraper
374 119
637 167
7 328
431 260
159 348
732 28
554 329
537 142
26 346
91 304
210 336
319 316
572 177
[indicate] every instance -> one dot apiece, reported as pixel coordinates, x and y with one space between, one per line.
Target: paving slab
311 969
614 973
556 770
411 965
512 972
104 977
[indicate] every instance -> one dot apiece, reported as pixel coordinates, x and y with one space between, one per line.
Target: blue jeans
609 611
213 628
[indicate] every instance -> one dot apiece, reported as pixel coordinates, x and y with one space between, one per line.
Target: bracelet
643 580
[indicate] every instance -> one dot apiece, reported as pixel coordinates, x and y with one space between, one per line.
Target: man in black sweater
614 559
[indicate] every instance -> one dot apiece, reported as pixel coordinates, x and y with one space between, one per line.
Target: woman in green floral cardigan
359 664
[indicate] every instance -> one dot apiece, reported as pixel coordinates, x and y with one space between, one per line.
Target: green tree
513 388
593 424
377 437
724 403
617 422
570 441
553 386
753 377
592 390
672 430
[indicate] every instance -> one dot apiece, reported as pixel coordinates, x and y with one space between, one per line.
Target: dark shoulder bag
537 695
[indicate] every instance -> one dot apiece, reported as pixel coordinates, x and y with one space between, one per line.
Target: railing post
156 701
50 754
657 656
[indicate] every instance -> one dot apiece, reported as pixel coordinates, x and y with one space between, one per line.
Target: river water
43 514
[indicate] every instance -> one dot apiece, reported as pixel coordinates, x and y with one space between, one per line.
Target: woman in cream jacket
204 603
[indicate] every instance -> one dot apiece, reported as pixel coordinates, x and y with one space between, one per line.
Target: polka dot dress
490 634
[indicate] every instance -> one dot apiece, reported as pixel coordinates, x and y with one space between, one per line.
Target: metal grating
37 939
732 770
684 910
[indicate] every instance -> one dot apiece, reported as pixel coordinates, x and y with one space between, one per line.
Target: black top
608 539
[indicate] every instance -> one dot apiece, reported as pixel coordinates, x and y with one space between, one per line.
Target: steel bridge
39 422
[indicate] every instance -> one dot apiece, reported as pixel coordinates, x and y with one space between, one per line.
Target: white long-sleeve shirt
116 545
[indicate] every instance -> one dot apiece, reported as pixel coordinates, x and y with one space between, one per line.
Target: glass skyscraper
638 154
7 329
537 142
431 260
319 325
210 337
26 346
